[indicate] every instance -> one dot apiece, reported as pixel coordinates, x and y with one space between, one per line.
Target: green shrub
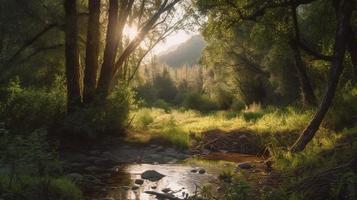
344 112
39 188
144 118
252 116
94 120
281 194
64 189
199 102
30 169
26 109
161 104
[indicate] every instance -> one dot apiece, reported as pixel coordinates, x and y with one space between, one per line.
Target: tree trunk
110 50
341 42
352 48
352 41
92 51
108 68
72 56
307 93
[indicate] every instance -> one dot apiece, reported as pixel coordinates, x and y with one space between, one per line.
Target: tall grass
176 126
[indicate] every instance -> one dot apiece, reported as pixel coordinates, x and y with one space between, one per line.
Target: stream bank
114 171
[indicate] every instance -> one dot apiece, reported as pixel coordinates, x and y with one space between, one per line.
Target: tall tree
342 36
307 92
92 51
72 56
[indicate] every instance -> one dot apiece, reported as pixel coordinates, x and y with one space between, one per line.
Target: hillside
188 53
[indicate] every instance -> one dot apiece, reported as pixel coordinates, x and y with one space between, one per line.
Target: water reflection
178 178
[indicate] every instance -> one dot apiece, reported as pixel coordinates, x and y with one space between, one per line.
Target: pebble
245 165
135 187
202 171
166 190
139 181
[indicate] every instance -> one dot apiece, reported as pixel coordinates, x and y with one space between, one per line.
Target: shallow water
178 177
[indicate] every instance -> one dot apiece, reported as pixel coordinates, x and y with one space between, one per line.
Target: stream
116 174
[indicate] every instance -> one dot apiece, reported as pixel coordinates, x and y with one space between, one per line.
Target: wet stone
139 181
166 190
202 171
245 165
135 187
152 175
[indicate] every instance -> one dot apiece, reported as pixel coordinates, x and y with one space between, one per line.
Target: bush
144 118
161 104
199 102
95 120
26 109
39 188
30 169
344 111
64 189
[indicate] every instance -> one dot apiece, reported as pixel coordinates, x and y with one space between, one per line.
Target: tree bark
352 49
72 56
108 75
115 37
92 51
307 93
341 43
110 50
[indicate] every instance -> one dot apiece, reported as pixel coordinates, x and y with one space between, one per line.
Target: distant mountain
187 53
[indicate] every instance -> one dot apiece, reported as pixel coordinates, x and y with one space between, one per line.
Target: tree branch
31 41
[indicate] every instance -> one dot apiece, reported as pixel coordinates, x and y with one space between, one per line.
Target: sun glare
130 31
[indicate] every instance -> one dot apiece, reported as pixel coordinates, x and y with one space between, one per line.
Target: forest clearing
178 99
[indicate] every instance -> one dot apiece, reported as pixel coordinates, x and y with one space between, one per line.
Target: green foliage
346 186
30 169
95 120
26 109
143 118
199 102
236 189
64 189
281 194
161 104
39 188
344 112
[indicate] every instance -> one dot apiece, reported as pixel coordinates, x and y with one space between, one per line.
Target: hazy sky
172 41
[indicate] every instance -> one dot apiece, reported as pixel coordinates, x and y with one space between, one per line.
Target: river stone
166 190
202 171
139 181
135 187
245 165
193 170
152 175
